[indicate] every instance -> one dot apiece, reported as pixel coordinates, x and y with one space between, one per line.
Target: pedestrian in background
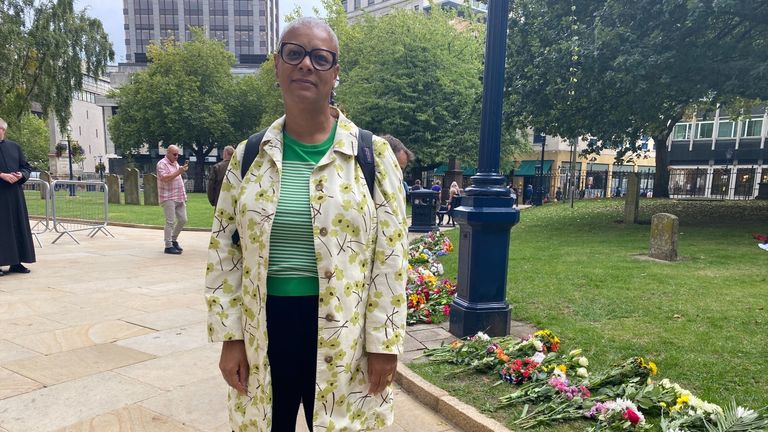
172 197
403 156
309 297
16 244
217 175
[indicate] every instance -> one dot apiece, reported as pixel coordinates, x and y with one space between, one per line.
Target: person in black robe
16 244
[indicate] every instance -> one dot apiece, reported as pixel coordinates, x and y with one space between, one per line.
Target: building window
682 131
752 128
357 4
726 129
704 130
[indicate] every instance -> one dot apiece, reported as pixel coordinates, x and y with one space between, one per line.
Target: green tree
187 96
31 133
619 70
417 77
47 46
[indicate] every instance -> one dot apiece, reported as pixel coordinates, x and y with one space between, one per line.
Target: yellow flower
562 368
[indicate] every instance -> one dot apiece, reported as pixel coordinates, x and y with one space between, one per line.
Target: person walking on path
172 197
217 175
15 234
306 273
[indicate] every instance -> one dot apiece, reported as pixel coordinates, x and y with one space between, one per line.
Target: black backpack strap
251 150
249 154
364 157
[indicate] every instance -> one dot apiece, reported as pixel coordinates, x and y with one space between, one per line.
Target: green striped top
292 264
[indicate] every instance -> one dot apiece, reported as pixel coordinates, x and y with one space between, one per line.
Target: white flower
482 336
558 374
745 413
582 372
538 345
582 361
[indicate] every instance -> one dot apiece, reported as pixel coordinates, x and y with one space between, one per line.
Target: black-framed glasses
321 59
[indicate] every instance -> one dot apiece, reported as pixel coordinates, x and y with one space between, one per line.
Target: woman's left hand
381 371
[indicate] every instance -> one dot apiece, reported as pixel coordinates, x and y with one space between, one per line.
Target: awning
528 167
442 169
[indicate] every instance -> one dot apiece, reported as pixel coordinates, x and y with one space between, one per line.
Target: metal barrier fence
38 190
79 206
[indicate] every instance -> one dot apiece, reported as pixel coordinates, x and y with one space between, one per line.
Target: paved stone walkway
109 335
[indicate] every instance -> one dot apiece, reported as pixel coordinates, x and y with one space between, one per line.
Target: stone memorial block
131 186
113 187
632 199
664 230
150 189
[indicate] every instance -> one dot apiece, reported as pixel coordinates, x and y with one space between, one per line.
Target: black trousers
292 352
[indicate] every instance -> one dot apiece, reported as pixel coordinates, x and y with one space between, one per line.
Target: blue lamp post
486 215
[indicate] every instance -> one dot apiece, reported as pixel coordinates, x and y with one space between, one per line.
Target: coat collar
345 141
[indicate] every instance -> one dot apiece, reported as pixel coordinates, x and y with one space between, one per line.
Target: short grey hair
229 150
398 146
312 22
3 124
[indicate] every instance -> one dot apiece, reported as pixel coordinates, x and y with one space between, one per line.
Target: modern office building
248 28
356 8
717 155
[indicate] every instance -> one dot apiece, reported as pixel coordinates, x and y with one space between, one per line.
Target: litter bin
423 204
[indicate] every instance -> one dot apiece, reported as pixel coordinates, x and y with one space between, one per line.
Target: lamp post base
490 318
480 303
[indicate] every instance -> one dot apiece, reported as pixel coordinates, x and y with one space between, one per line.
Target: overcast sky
110 12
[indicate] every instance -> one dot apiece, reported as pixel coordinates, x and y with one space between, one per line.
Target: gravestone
632 199
150 189
131 186
113 188
664 230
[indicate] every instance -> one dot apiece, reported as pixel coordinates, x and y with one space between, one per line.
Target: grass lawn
702 319
199 211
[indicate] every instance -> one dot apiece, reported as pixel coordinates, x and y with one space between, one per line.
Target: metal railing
79 206
722 183
38 190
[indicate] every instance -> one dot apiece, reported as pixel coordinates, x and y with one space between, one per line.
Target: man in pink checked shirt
172 197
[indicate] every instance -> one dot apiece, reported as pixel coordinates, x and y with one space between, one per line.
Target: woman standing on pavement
311 303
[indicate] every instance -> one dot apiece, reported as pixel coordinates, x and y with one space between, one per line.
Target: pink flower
446 310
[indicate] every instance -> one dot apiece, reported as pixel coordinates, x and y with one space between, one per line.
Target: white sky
110 12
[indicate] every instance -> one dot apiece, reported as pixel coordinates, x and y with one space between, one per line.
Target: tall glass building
248 28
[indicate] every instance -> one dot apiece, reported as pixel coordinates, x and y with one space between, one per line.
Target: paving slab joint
463 416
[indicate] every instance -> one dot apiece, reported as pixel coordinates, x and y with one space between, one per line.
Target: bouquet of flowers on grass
617 415
554 377
635 369
733 418
428 297
435 242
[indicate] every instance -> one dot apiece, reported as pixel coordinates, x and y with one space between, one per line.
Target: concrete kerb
463 416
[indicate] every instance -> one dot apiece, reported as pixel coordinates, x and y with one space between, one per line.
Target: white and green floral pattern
361 249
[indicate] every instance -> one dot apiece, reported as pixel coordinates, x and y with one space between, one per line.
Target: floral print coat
361 249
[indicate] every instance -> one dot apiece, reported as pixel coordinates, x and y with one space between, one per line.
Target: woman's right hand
234 365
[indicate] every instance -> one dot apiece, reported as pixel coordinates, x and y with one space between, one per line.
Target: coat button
328 274
323 231
328 359
319 187
329 317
